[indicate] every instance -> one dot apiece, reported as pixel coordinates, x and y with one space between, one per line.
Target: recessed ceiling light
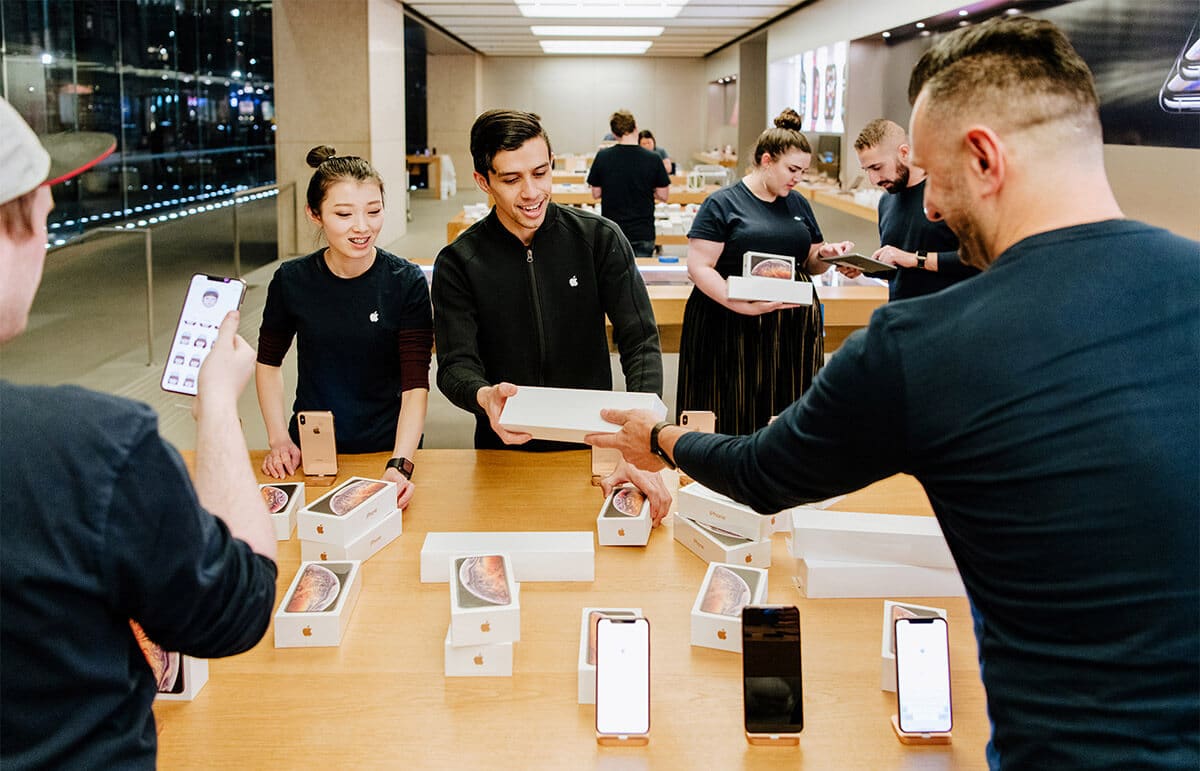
920 25
964 23
962 12
601 9
595 47
1013 11
590 31
925 33
887 34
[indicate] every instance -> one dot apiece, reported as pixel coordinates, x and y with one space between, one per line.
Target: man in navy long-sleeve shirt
1050 413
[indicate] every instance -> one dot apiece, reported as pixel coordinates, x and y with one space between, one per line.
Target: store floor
88 325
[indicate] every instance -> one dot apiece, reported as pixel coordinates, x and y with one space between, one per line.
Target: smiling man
521 296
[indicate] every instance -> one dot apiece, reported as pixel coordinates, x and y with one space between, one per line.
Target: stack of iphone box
351 522
316 608
283 500
718 529
485 616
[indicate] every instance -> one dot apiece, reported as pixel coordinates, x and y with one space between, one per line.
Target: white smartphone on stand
208 299
923 676
622 681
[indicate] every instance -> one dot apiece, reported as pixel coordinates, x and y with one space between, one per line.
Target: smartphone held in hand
208 300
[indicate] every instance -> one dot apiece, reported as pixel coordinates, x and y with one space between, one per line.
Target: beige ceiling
497 27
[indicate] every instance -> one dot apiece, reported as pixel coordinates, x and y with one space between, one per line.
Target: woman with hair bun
363 326
744 360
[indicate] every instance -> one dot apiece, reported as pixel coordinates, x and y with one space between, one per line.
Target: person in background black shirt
646 139
630 178
925 253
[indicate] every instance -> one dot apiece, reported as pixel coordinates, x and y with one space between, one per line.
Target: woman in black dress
744 360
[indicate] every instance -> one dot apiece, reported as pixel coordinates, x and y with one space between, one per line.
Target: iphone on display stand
622 681
318 448
923 707
208 300
772 684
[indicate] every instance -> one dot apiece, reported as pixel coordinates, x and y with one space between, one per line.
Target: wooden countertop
380 699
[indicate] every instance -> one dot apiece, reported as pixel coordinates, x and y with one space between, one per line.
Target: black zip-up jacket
535 315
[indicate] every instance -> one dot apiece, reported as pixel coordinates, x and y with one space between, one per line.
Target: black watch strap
656 448
403 465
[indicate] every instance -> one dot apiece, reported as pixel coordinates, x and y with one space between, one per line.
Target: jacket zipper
537 317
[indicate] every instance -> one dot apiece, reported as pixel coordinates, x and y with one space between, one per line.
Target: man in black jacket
522 295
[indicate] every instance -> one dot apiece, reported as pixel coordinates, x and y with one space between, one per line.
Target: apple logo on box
749 558
721 634
485 627
621 533
306 631
320 528
324 555
479 659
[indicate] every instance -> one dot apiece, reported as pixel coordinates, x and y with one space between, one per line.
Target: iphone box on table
587 647
347 511
494 660
624 519
283 500
176 677
769 290
570 414
533 556
485 601
826 579
699 504
717 613
317 606
362 548
711 544
891 611
899 539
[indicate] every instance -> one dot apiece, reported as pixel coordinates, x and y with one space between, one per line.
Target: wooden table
380 700
433 171
716 159
581 195
828 195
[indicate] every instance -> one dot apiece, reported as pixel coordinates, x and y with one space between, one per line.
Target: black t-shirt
628 176
903 224
99 524
347 334
736 217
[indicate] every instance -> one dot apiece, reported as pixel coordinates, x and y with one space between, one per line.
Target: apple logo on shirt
374 316
574 281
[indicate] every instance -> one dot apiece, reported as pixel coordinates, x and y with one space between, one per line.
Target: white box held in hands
317 606
362 548
533 556
570 414
624 519
825 579
283 500
347 511
717 613
891 612
478 660
176 677
899 539
587 647
711 544
485 604
769 290
766 265
698 503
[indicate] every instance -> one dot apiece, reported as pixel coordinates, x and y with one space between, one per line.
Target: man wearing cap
100 525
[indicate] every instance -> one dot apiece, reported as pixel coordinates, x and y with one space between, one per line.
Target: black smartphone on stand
622 681
923 675
772 683
207 301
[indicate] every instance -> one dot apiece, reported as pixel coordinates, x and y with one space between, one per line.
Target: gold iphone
318 448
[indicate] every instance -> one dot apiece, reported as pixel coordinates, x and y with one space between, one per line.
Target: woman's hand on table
283 459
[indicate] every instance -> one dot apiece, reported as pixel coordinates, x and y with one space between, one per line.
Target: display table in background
432 171
380 700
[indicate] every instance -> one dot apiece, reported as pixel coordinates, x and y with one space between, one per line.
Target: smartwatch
921 257
403 465
654 446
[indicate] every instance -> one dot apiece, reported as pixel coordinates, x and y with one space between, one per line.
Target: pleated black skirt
746 368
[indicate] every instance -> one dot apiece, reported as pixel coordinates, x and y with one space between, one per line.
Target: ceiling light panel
595 47
587 31
601 9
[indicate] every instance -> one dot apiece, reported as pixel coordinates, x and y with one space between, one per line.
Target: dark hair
1021 68
785 136
647 134
498 131
875 132
332 168
622 123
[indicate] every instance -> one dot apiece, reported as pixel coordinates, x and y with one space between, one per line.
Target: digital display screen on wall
1146 67
813 84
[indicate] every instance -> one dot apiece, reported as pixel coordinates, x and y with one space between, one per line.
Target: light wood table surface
581 195
380 699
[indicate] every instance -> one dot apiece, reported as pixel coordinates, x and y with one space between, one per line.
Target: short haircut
875 132
622 123
784 137
498 131
332 168
1022 71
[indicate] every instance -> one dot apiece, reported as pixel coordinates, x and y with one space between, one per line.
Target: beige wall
453 100
1156 185
576 95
